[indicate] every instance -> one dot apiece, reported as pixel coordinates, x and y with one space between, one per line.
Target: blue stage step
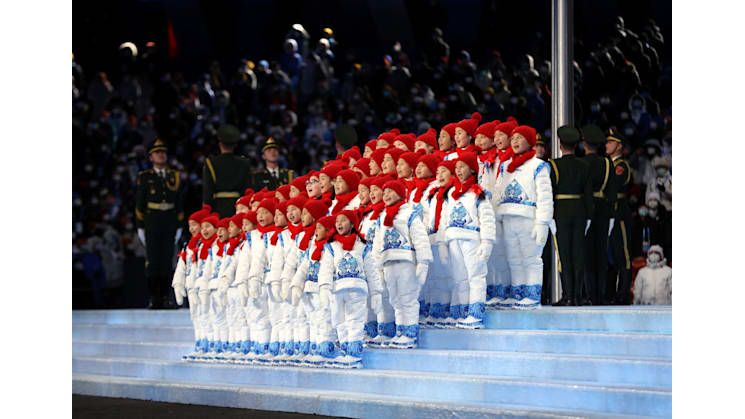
632 371
545 341
310 401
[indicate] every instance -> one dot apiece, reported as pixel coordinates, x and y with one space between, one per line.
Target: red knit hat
487 129
351 178
397 186
506 126
527 132
353 153
268 204
389 136
431 161
199 215
378 156
244 200
351 215
332 169
470 125
450 129
380 180
316 208
282 207
372 144
471 160
429 137
248 192
224 223
284 190
313 173
395 153
366 182
237 219
411 159
251 216
363 165
213 219
298 202
328 222
407 139
299 182
448 164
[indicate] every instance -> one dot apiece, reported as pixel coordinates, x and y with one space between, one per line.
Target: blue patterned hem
526 291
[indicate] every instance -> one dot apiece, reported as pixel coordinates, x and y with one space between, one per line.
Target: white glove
325 294
180 292
296 294
444 253
539 233
254 289
552 227
610 225
243 293
222 285
178 235
498 228
588 226
484 251
141 235
421 274
376 303
219 299
276 291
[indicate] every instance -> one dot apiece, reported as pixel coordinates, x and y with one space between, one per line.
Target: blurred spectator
654 282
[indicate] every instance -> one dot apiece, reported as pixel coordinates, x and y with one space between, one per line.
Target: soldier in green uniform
272 177
226 176
619 237
159 211
604 197
573 208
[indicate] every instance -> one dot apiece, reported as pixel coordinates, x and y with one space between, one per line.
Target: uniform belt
598 194
621 195
226 195
568 196
160 206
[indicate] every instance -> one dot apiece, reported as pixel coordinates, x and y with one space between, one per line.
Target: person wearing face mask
159 212
641 161
654 282
662 183
621 212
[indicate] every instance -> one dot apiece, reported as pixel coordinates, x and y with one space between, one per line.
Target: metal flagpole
562 91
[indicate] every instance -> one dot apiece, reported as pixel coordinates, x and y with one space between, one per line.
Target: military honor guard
226 176
271 177
621 213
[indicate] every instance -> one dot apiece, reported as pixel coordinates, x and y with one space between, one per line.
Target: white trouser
258 318
499 272
237 325
218 318
524 256
205 323
279 318
319 318
349 313
300 325
400 279
438 285
468 275
193 295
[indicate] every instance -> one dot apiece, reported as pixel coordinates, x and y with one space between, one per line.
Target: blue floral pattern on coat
459 216
348 267
313 269
513 193
393 240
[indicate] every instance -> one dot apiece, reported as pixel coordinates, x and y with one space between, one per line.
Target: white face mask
654 257
661 171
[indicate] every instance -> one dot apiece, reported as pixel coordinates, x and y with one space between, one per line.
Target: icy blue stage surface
551 362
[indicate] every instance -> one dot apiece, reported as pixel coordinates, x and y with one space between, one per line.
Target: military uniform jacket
224 179
264 179
621 179
159 203
603 185
570 182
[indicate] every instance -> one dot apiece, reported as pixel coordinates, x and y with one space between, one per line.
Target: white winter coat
349 269
526 192
243 266
654 284
405 240
470 218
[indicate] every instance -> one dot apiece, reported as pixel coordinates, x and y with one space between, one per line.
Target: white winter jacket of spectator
526 191
406 239
654 282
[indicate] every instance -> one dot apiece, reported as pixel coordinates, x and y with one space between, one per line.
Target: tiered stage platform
553 362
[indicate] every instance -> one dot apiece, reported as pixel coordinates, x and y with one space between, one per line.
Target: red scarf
469 184
306 238
342 201
377 209
518 160
348 241
505 154
206 245
234 242
421 185
488 156
277 232
221 247
328 195
391 211
441 194
193 246
319 248
295 229
471 147
410 185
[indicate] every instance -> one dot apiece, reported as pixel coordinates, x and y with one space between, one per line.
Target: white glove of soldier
180 292
539 233
296 294
444 253
421 274
254 289
376 303
588 226
325 294
610 225
141 235
243 293
275 289
484 250
178 235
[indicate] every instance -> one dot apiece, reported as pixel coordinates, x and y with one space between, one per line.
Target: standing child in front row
242 269
470 234
348 273
228 288
206 254
402 247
